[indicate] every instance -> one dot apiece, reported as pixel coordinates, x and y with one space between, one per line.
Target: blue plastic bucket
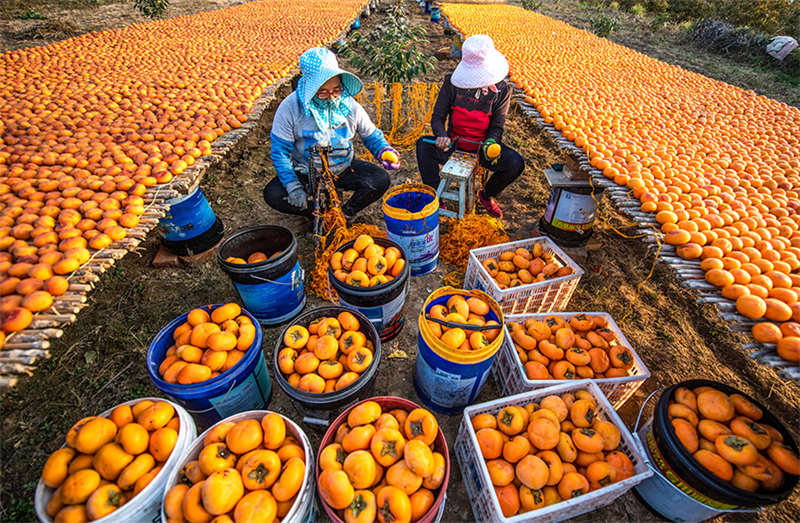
448 380
272 290
246 386
411 213
356 23
190 226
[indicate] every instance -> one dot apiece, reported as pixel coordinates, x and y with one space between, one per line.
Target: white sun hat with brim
481 64
317 66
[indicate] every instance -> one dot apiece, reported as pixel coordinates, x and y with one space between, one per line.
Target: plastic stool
459 169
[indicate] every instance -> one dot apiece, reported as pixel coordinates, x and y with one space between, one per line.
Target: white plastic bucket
145 507
304 509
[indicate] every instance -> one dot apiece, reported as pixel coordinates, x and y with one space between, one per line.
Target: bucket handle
224 396
641 410
291 284
465 326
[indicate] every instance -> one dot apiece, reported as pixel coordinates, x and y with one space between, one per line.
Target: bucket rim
336 396
728 492
394 282
170 327
247 268
455 355
403 214
440 445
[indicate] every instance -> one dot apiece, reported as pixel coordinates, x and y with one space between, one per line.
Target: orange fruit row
327 355
207 344
523 266
382 466
723 434
88 123
249 470
109 460
575 348
719 167
367 264
549 451
465 311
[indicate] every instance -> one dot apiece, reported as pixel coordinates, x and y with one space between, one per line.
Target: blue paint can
190 225
271 290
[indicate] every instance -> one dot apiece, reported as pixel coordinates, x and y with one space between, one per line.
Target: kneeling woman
475 99
322 111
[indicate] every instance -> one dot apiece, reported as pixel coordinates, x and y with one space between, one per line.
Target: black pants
367 181
508 168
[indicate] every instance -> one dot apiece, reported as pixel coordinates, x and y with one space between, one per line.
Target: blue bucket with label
382 304
411 213
271 290
448 379
190 225
245 386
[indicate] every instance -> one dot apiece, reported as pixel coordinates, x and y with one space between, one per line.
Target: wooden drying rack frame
24 348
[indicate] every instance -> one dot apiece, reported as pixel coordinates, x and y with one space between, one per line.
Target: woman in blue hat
323 111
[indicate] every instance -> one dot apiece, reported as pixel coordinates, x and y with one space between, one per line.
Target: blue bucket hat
317 66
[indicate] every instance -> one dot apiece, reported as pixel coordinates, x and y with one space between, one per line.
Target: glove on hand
297 195
484 149
391 166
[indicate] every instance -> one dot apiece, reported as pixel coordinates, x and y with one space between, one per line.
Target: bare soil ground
100 360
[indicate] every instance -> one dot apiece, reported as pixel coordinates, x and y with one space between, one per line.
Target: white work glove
297 195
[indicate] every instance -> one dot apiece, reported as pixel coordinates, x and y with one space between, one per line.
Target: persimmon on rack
89 123
717 166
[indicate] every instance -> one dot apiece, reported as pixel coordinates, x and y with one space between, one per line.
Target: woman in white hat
322 110
475 99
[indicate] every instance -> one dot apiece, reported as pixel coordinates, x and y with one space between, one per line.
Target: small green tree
532 5
391 52
151 8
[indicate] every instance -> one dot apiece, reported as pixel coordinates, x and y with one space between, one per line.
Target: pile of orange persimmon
207 344
367 264
524 266
542 453
382 463
254 257
718 166
87 124
724 433
249 470
327 355
109 460
463 311
570 348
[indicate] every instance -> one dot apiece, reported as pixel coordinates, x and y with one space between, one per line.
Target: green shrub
659 21
390 52
614 6
638 9
532 5
151 8
603 25
30 14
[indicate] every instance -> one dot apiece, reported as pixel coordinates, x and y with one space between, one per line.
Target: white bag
780 46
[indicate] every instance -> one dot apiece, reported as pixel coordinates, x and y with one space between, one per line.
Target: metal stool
460 169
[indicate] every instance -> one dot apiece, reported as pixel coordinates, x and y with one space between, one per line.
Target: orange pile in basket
208 344
87 124
524 266
109 460
249 470
382 465
327 355
469 311
718 166
723 434
543 453
367 264
574 348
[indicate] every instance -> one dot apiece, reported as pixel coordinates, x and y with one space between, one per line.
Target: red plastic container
440 445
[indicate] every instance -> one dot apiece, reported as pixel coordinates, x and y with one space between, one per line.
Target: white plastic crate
509 372
485 506
546 296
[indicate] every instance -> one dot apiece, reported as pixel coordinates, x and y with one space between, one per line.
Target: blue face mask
329 113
